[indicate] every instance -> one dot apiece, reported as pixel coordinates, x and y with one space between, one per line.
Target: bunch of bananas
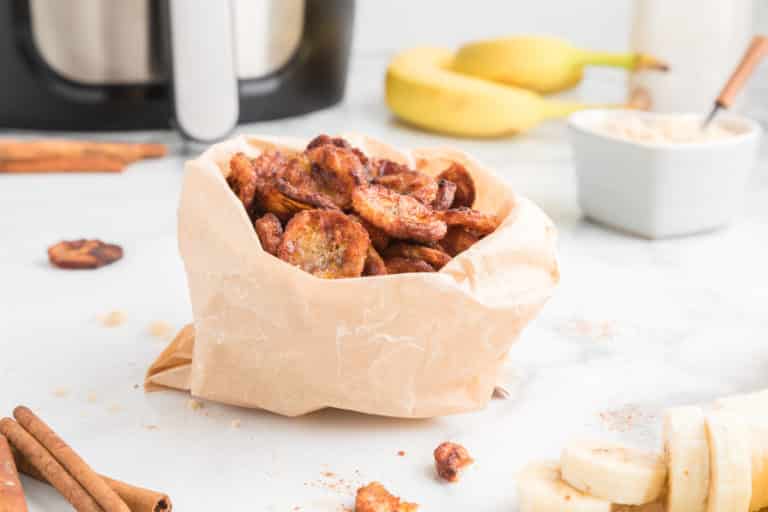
494 87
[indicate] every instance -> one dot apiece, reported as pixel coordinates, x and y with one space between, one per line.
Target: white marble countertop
635 326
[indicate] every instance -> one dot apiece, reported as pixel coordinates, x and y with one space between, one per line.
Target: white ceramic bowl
658 190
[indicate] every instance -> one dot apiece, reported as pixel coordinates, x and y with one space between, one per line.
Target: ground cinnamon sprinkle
332 482
600 330
114 319
61 392
624 418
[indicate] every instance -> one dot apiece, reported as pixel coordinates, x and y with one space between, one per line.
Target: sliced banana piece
753 409
687 453
613 472
540 488
730 485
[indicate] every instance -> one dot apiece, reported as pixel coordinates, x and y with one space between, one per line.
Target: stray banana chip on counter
374 497
83 254
450 459
335 213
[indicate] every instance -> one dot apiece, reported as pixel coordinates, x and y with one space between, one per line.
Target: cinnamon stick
138 499
61 155
11 493
46 465
70 460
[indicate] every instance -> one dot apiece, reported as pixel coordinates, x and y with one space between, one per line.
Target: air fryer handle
202 58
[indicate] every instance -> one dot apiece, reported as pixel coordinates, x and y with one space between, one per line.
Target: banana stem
630 61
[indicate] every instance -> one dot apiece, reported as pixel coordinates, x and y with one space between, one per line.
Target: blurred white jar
701 40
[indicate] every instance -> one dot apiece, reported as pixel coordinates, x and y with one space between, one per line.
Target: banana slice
687 454
753 408
730 486
614 472
541 489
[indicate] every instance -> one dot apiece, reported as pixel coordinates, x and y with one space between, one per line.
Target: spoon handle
754 54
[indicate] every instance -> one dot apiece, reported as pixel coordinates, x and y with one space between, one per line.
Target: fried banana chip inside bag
435 257
479 222
325 243
270 232
379 238
374 264
411 183
336 172
458 240
446 192
400 265
398 215
465 185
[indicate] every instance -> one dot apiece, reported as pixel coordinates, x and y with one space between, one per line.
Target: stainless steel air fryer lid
217 62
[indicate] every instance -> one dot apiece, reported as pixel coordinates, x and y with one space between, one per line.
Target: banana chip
465 185
458 240
398 215
270 232
379 238
479 222
242 179
399 265
336 172
325 243
411 183
374 264
435 257
446 192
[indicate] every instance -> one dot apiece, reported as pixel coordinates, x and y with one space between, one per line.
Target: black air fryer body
35 96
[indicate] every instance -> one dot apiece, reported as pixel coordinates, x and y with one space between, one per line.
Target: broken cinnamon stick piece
47 466
11 493
138 499
70 460
56 155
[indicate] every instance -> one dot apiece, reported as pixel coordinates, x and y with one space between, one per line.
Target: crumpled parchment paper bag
268 335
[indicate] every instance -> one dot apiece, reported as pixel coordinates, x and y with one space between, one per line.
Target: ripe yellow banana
687 452
730 463
422 90
752 408
541 489
613 472
539 63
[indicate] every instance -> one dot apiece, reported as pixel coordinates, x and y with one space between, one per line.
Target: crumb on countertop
150 427
114 408
61 392
195 405
235 423
374 497
113 319
600 330
624 418
401 453
450 460
92 397
160 329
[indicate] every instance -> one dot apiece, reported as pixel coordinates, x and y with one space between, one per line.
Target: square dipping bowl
661 189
